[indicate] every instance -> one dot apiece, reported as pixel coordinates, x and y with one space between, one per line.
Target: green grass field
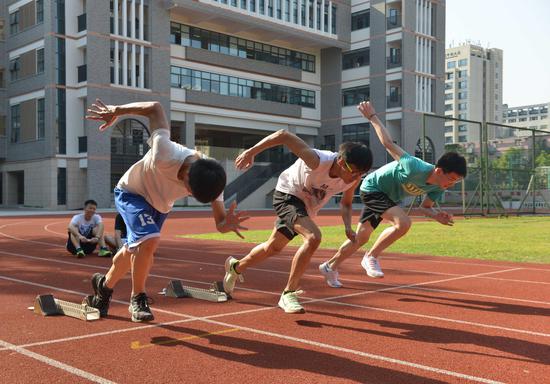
511 239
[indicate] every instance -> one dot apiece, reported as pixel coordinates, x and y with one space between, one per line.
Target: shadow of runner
263 354
534 352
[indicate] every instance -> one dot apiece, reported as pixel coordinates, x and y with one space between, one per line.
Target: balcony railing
394 101
393 21
393 61
82 73
81 22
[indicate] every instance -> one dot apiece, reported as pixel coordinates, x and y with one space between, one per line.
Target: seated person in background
86 231
120 232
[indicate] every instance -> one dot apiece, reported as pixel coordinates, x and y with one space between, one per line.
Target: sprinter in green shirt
382 190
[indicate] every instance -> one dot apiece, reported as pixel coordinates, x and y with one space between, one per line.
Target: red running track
430 320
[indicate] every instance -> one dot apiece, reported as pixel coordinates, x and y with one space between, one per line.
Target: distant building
473 90
534 116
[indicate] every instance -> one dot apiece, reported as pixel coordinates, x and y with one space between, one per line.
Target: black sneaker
139 308
102 295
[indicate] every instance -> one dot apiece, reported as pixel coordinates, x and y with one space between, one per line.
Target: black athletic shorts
88 248
374 205
288 208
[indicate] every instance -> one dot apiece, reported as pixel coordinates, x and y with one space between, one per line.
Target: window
15 68
463 73
15 123
448 107
353 96
40 117
448 85
39 11
462 84
462 106
534 118
330 143
462 62
360 20
356 132
188 36
448 96
2 85
462 139
14 22
451 64
463 116
512 120
233 86
1 29
40 60
448 128
449 76
462 95
356 59
523 119
462 128
448 139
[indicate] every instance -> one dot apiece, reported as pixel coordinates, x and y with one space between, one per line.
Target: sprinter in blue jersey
382 190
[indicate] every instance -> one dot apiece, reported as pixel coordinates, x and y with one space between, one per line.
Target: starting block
216 294
47 305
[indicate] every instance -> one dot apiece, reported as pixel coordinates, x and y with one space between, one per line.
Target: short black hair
453 162
93 202
207 180
357 154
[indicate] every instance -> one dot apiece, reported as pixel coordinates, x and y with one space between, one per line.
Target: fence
508 166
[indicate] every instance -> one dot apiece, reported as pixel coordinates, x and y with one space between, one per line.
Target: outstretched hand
244 160
233 220
100 111
367 109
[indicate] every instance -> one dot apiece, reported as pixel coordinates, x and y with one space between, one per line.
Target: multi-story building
473 90
533 116
228 73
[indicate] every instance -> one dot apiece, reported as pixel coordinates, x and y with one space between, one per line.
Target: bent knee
313 239
403 225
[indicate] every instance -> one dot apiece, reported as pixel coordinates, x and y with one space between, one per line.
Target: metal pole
533 172
483 168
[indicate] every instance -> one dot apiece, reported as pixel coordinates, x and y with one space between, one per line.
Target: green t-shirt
406 177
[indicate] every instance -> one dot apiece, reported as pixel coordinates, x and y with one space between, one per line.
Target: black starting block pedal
47 305
176 288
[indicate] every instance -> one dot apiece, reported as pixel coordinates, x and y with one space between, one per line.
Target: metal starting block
47 305
216 294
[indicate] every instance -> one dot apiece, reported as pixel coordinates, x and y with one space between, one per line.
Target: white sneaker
331 276
372 266
289 302
230 275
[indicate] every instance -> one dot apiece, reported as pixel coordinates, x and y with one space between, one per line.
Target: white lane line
57 364
312 343
261 269
329 300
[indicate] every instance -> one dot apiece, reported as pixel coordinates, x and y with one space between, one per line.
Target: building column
189 130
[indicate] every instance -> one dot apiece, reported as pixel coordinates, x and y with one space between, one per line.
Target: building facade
534 116
473 90
228 73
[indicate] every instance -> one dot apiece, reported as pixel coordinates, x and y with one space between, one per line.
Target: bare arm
228 221
282 137
109 113
368 111
428 210
346 210
74 230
